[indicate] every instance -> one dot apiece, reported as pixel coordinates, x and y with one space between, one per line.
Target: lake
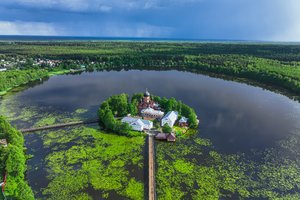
236 118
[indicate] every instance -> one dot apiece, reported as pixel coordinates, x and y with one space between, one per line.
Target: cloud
118 29
96 5
135 30
291 29
26 28
107 29
198 19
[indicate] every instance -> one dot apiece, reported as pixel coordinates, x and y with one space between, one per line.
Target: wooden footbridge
151 171
59 125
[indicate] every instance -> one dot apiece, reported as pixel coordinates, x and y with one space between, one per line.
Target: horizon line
128 38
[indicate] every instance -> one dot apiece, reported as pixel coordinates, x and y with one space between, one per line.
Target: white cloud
291 30
106 29
96 5
26 28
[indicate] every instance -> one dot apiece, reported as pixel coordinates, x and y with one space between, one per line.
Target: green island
143 112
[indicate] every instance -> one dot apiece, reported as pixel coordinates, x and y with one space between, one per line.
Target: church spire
146 94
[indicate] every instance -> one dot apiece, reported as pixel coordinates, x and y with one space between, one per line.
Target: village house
171 137
170 118
3 142
138 124
3 69
164 136
183 122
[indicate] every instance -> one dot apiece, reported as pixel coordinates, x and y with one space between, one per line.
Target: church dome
146 94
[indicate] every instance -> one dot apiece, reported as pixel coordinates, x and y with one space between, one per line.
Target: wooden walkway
59 125
152 194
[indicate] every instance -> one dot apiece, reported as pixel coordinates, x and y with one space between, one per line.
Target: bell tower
147 97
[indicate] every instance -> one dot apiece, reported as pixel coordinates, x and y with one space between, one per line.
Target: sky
265 20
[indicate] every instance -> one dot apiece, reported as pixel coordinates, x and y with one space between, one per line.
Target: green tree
119 104
192 120
13 160
109 120
167 129
133 108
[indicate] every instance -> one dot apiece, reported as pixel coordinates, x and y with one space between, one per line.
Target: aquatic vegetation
81 110
11 108
48 120
134 190
99 162
213 175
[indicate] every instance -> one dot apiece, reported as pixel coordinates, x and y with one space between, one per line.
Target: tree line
13 163
12 78
270 64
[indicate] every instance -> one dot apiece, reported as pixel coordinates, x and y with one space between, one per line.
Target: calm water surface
236 117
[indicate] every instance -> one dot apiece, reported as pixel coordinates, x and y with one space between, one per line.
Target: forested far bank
270 64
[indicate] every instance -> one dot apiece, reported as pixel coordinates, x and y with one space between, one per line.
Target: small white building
183 121
3 69
3 142
170 118
151 113
138 124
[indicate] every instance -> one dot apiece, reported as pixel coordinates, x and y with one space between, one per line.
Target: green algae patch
48 120
4 92
184 173
100 162
134 190
12 109
81 111
183 166
59 72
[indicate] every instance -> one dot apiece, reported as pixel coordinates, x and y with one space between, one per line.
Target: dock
152 193
55 126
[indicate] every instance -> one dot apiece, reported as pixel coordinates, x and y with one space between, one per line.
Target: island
164 118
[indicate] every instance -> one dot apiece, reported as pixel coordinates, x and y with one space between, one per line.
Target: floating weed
80 111
134 190
101 163
45 121
11 108
237 176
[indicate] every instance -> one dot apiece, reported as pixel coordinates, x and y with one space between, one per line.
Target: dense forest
271 64
13 163
13 78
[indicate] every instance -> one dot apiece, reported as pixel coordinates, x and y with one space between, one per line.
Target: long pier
152 193
59 125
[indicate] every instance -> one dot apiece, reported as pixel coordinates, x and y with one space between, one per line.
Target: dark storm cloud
198 19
